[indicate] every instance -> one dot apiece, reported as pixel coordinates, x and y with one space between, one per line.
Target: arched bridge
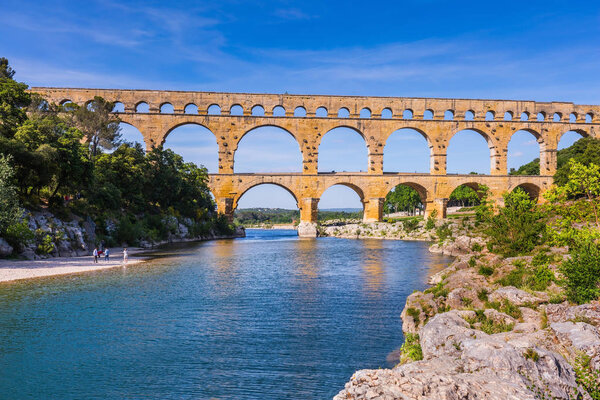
308 118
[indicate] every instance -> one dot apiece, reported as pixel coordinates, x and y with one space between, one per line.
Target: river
269 316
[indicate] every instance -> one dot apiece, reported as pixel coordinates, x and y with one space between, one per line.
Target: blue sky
535 50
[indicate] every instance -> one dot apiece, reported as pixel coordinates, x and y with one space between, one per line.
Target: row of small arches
386 113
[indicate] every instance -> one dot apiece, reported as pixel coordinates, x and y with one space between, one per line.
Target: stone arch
258 127
195 142
190 108
167 108
428 114
469 183
278 111
365 113
65 101
244 189
490 115
118 107
300 112
141 107
407 114
386 150
524 116
469 115
129 131
357 189
460 203
579 131
321 112
531 189
343 112
236 110
589 117
422 191
508 116
258 110
493 150
387 113
213 109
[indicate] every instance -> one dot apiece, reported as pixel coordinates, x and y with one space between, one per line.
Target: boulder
516 296
5 248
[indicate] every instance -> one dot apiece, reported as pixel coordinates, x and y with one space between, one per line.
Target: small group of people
106 253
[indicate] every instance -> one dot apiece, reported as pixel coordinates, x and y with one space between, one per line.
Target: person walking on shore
106 254
95 253
125 255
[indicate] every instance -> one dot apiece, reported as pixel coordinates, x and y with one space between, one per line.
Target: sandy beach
12 270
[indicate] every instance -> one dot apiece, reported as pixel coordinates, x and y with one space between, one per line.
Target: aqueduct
309 117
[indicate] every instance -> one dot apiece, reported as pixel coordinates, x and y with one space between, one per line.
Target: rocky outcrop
482 340
463 363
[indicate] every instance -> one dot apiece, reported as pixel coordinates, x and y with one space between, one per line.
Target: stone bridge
307 118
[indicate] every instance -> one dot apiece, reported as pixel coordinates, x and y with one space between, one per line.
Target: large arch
195 143
269 198
340 148
531 189
566 139
267 148
467 152
407 150
341 196
413 198
525 145
131 134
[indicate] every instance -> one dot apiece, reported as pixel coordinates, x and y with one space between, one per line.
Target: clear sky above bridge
535 50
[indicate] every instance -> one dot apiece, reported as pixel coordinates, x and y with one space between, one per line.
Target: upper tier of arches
337 106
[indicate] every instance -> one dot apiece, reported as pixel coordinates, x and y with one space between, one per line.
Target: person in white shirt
95 255
125 255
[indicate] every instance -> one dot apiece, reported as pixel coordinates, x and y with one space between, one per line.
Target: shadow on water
267 316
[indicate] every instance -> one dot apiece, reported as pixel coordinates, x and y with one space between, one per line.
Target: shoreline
20 270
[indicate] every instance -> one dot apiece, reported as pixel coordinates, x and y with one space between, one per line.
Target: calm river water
270 316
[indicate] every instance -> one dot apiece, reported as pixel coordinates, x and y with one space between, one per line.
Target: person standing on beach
95 253
106 255
125 255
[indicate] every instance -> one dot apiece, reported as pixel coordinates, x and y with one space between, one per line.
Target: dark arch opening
343 149
533 191
406 150
469 115
268 149
468 152
404 200
508 116
490 116
428 114
195 143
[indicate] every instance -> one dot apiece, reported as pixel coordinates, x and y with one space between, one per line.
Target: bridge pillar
373 209
375 163
438 164
225 207
438 206
499 161
548 163
225 158
308 217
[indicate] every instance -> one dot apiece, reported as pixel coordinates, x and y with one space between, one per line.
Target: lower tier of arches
307 190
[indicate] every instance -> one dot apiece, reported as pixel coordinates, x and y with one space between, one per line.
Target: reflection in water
269 316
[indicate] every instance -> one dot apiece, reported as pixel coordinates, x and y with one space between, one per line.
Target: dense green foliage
402 198
463 196
582 272
411 349
55 156
518 227
585 151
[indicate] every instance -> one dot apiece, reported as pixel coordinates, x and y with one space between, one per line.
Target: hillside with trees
70 163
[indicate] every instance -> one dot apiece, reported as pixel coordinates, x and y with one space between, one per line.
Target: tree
402 198
13 101
463 195
584 181
10 212
98 124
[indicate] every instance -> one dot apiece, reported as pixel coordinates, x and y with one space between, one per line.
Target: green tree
10 212
582 272
584 180
518 227
13 101
99 126
464 196
402 198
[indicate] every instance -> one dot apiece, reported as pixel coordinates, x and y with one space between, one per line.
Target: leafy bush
19 235
430 224
443 232
487 325
129 232
46 246
414 313
476 247
586 376
531 354
582 272
410 225
518 227
485 270
411 349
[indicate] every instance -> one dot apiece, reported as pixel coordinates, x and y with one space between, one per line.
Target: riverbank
490 328
14 270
